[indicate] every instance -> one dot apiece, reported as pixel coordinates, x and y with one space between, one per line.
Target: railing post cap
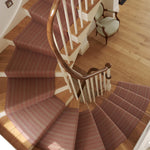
108 65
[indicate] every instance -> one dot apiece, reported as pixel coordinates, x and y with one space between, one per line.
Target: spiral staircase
54 105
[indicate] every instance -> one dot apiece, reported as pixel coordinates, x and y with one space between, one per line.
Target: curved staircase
36 105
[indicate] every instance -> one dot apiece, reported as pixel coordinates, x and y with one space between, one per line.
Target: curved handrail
72 72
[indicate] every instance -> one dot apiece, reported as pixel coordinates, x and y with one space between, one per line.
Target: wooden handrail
72 72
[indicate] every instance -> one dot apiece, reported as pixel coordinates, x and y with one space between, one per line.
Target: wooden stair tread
85 24
136 133
9 131
70 51
125 146
90 6
74 103
148 109
64 96
2 102
3 83
59 82
17 29
29 4
5 57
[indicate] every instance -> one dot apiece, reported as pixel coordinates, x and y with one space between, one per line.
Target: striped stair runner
24 92
133 98
88 137
62 134
34 38
25 63
110 133
124 120
126 105
138 89
34 121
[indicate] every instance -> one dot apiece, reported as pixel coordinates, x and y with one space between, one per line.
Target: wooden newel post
108 76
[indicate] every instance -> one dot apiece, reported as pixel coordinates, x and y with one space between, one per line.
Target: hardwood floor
127 51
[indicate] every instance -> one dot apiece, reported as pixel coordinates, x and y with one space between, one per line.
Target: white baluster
108 80
100 80
73 87
86 5
79 82
80 13
62 35
74 17
92 86
96 82
104 80
65 76
67 21
56 42
92 2
88 89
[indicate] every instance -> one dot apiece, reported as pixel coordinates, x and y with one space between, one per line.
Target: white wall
7 14
9 18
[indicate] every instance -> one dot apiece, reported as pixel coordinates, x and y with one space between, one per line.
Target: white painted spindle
86 5
92 2
65 76
62 35
56 42
96 82
104 80
67 22
88 90
92 86
74 17
79 82
73 87
108 80
80 13
100 82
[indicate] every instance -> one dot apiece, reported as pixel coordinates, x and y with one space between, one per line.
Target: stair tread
87 134
69 50
31 91
127 145
110 133
23 92
34 38
3 87
18 29
64 96
138 89
124 120
11 134
143 116
29 4
136 133
5 57
25 63
2 102
34 126
40 12
62 133
126 106
133 98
